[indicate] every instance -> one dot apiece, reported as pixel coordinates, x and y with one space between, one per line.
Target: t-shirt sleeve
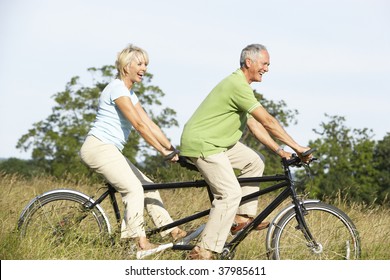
133 97
119 91
245 99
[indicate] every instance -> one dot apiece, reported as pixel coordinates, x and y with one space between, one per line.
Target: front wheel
63 216
335 235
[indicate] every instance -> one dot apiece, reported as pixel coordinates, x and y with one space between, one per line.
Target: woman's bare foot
178 233
144 244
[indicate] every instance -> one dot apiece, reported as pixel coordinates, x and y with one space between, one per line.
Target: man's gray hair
251 51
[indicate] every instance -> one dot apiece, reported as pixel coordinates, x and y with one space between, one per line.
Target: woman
120 111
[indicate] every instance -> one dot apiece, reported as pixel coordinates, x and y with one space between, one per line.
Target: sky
327 57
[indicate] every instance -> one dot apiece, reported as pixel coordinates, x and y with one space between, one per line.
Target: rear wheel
63 216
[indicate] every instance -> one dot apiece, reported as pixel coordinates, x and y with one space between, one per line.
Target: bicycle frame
285 180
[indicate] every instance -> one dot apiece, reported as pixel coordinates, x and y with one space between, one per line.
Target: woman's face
136 70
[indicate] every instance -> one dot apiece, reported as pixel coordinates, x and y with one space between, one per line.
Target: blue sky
326 56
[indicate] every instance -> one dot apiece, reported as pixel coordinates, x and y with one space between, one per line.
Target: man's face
257 67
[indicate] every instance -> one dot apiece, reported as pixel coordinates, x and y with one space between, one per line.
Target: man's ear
248 63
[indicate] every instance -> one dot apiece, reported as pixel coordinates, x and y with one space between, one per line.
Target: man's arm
273 127
261 134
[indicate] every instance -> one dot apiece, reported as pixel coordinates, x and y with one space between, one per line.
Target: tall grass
372 222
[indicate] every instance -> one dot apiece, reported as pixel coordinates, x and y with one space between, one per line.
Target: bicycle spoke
334 235
61 218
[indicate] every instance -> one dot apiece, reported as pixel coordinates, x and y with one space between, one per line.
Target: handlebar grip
308 152
171 155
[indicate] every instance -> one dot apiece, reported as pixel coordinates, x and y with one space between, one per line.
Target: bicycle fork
301 212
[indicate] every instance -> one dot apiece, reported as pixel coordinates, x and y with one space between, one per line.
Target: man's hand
284 154
303 155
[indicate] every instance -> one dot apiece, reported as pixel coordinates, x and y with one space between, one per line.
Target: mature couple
210 139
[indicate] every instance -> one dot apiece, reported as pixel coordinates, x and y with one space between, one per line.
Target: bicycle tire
332 229
62 216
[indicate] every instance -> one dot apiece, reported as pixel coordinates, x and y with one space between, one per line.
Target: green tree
382 164
345 162
26 168
55 141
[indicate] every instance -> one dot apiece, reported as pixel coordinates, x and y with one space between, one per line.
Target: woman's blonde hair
126 56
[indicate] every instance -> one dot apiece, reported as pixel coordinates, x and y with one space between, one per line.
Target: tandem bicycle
307 229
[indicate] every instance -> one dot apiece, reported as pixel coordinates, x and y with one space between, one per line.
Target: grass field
372 222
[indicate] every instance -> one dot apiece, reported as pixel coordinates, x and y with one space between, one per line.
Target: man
211 140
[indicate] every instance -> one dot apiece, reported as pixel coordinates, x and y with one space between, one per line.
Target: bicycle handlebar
308 152
171 155
186 163
295 160
183 161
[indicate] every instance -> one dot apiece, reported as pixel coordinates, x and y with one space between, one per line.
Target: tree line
350 163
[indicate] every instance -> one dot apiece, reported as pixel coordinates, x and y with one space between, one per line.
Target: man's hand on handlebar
306 154
304 158
284 154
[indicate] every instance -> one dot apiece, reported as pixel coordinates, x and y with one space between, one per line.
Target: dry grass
372 222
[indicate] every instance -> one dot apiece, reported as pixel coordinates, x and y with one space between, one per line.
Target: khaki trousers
107 160
218 171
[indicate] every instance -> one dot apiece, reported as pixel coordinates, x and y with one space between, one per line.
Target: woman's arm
156 130
132 114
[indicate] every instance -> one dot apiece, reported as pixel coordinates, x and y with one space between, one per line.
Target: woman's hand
171 155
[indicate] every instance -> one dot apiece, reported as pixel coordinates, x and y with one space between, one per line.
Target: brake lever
313 159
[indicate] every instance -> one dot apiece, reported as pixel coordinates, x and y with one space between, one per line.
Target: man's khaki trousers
218 171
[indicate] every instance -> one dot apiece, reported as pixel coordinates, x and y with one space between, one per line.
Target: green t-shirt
220 119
